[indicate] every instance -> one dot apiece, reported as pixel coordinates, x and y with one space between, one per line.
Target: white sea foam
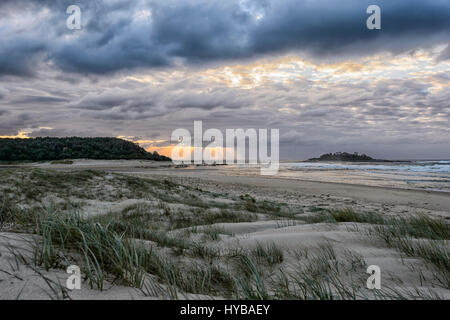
428 175
441 166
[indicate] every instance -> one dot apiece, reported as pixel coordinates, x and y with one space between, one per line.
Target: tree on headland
48 148
342 156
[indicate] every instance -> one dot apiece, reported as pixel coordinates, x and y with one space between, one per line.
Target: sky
140 69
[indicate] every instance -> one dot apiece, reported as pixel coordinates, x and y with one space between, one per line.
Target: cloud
117 36
445 55
21 56
38 99
328 114
310 68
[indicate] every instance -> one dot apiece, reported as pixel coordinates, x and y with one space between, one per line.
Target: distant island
48 149
345 156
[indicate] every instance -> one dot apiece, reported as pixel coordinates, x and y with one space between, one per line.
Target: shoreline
425 199
430 200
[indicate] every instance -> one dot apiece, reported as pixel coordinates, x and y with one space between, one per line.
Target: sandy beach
288 214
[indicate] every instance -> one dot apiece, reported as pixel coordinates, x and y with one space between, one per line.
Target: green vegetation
341 215
322 276
417 226
270 254
44 149
343 156
168 243
419 236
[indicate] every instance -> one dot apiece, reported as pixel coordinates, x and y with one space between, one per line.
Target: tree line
48 148
342 156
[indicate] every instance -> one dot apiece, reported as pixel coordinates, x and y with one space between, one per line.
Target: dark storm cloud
139 103
113 39
38 100
21 56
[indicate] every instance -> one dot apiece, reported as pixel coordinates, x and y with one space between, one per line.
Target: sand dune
276 212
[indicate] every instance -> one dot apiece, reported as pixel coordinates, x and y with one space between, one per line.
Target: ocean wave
440 166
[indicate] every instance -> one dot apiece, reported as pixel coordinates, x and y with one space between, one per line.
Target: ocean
433 175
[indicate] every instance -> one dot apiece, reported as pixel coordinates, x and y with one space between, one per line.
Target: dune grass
414 235
349 215
102 250
342 215
168 245
250 282
108 253
419 236
416 226
321 277
270 254
105 254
